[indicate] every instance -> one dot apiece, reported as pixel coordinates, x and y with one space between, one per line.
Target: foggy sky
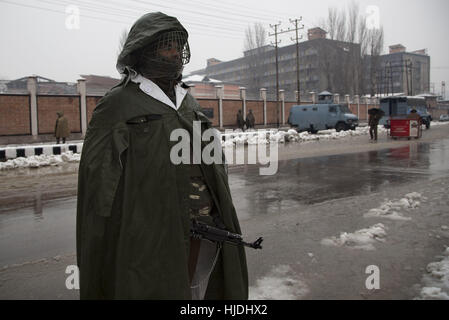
36 41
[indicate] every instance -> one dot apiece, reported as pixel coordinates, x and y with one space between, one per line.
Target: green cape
133 228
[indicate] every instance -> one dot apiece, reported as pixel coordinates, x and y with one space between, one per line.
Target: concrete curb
36 150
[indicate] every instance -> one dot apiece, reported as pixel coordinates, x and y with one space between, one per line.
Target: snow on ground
275 135
361 239
391 209
40 161
435 283
280 284
251 137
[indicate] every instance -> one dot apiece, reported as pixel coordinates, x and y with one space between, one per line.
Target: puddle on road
314 180
43 231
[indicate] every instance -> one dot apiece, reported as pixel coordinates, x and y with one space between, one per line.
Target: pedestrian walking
375 115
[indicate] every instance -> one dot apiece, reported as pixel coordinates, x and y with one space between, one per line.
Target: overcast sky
39 37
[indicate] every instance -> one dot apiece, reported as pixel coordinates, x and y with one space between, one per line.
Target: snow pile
279 136
361 239
438 123
40 161
248 137
280 284
436 281
391 209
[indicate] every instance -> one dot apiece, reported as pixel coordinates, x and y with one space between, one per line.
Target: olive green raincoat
133 228
62 126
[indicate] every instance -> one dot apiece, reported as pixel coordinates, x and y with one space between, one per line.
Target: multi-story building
398 72
324 65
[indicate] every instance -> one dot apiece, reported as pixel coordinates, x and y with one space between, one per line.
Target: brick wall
363 110
47 106
15 112
288 107
257 107
211 104
91 103
272 112
15 115
230 109
436 112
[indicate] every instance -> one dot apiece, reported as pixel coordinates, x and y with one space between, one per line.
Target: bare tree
122 41
353 22
341 26
375 43
350 25
331 24
255 37
255 41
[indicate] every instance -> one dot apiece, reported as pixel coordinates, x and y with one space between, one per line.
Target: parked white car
444 117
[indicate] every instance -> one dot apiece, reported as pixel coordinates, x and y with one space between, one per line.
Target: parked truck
315 117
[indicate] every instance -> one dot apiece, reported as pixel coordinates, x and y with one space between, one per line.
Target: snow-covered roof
200 78
427 95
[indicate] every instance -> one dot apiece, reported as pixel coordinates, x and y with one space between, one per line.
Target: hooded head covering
144 33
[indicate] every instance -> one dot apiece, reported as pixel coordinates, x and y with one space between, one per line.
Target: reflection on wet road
44 231
48 229
314 180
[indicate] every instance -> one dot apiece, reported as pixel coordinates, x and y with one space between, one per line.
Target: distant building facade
398 72
323 64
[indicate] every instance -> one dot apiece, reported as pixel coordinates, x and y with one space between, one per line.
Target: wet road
48 229
313 180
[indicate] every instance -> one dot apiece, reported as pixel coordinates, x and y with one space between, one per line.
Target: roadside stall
405 127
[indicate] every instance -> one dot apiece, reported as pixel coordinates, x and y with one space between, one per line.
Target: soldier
135 206
61 127
373 121
240 120
250 120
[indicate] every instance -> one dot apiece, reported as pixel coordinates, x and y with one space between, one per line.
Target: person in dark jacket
250 120
61 127
135 205
240 120
373 121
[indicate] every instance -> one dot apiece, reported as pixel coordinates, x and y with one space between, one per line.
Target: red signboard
400 127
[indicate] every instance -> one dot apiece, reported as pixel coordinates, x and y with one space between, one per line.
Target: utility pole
391 79
297 28
276 42
406 74
443 90
387 78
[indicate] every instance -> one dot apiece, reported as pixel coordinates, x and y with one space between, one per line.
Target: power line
296 39
59 12
231 9
225 35
276 42
195 12
204 16
104 11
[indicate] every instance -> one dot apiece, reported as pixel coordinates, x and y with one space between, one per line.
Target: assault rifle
201 230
